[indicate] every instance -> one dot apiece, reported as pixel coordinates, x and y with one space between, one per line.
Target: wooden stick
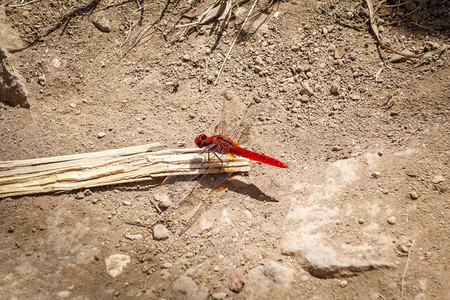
134 164
109 153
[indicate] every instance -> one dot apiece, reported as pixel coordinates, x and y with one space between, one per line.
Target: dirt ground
361 213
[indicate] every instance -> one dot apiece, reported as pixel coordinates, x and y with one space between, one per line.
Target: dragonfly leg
221 161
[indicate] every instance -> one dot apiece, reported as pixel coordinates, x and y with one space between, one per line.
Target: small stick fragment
155 205
406 267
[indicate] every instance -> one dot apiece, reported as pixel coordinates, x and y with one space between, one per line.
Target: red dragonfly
221 144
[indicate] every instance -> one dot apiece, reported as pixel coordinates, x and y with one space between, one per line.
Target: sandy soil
361 213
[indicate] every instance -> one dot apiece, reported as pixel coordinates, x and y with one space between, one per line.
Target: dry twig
406 267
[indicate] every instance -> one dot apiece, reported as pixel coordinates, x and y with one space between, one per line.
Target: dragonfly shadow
248 189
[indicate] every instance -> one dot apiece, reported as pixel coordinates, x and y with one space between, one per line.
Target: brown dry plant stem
406 267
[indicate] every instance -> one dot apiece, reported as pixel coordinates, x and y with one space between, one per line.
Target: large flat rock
336 224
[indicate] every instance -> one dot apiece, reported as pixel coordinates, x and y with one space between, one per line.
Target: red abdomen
239 151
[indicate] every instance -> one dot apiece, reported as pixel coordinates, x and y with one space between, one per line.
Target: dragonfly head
200 141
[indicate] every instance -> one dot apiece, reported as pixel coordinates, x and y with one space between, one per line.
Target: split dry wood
133 164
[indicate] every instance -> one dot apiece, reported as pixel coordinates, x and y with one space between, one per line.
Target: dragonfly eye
200 140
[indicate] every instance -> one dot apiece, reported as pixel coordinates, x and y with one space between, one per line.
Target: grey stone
414 195
306 89
134 236
79 195
103 24
187 286
12 89
307 225
392 220
438 179
160 232
278 273
355 97
116 263
42 80
339 52
375 175
334 89
219 296
163 200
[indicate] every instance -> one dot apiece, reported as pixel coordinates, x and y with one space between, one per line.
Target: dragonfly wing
181 217
236 117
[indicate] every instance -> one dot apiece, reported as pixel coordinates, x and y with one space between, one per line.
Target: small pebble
343 283
219 296
402 248
334 89
166 265
103 24
160 232
62 294
392 284
101 134
304 98
380 153
336 148
306 89
79 195
438 179
163 200
237 281
134 236
355 97
413 195
42 80
339 52
56 63
392 220
87 192
361 221
126 203
375 175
